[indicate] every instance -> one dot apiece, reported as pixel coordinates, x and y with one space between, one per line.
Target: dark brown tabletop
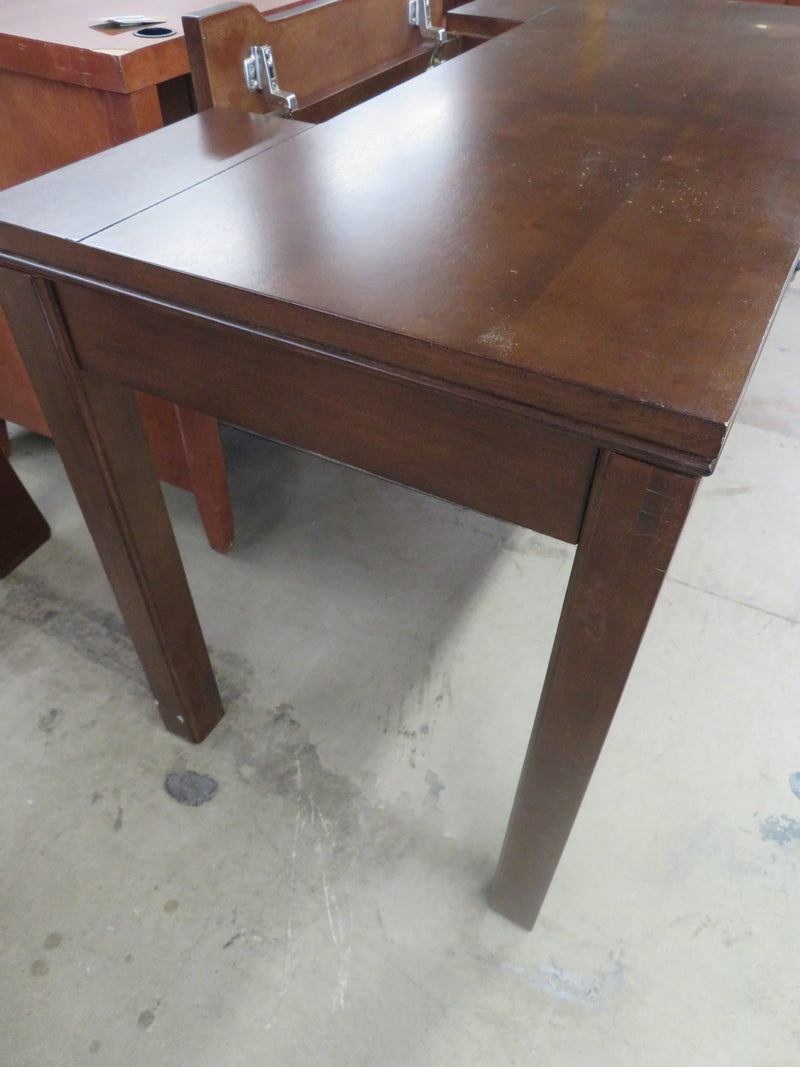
601 228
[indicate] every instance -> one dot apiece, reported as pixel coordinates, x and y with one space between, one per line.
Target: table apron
467 450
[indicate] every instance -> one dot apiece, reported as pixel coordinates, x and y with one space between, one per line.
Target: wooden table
533 281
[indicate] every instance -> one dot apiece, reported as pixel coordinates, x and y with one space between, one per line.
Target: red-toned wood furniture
69 89
555 263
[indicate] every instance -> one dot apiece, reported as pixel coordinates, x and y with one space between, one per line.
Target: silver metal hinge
259 75
419 14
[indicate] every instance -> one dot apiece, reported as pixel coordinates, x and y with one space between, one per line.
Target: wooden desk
533 281
70 88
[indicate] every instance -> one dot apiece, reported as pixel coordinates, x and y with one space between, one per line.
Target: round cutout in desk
154 32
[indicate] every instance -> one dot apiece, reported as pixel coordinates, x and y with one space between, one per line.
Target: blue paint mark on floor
780 829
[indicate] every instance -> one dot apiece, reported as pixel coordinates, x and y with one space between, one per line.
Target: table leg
633 520
98 432
208 476
187 451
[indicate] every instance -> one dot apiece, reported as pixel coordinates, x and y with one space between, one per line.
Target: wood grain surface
589 229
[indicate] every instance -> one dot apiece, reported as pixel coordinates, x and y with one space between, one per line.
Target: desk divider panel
320 50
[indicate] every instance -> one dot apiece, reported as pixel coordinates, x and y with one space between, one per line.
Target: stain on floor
146 1020
780 829
190 788
98 636
49 720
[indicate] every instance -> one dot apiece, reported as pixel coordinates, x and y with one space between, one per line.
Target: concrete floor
381 654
